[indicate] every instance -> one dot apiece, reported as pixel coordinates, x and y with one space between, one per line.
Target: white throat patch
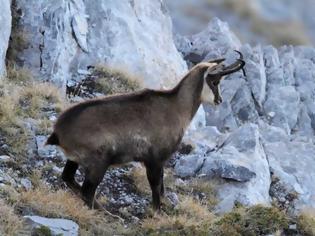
207 95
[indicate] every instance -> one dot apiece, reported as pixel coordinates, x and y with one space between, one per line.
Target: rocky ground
245 167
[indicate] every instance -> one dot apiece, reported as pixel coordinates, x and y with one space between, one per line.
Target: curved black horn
241 55
236 66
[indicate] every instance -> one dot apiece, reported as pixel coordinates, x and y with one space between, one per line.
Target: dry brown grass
44 126
48 203
139 176
9 194
11 124
18 75
37 95
188 216
10 223
9 106
21 98
306 222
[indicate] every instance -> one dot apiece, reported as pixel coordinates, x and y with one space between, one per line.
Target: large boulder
293 164
238 159
64 38
5 22
56 226
245 162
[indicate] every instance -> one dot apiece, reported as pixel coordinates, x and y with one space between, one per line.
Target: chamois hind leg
93 177
162 182
154 177
68 176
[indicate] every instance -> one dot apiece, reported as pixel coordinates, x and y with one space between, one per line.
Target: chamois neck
189 90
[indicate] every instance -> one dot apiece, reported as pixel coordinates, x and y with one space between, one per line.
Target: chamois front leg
68 176
154 173
93 177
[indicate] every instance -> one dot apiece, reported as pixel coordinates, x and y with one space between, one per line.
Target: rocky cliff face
64 38
5 22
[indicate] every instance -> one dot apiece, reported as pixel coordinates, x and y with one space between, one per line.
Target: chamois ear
217 61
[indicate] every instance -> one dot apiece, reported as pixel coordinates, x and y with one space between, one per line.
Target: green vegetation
306 223
256 220
42 231
113 81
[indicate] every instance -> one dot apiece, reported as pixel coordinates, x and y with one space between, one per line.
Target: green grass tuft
113 81
256 220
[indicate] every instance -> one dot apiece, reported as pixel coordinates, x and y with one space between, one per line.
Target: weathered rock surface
271 111
213 42
5 22
189 165
248 163
66 37
293 163
57 226
239 159
47 151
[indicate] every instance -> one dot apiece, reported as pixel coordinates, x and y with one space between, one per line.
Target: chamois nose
218 101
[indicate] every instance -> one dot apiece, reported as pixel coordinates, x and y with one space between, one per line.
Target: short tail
52 140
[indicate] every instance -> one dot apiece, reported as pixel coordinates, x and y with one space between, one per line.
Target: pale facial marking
207 95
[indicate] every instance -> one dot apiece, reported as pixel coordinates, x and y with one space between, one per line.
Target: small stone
53 118
4 158
26 183
39 163
173 198
84 72
4 147
293 227
179 182
188 165
135 219
56 169
43 151
282 199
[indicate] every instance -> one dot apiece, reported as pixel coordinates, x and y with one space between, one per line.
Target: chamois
145 126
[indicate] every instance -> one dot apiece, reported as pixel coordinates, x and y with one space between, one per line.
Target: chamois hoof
98 206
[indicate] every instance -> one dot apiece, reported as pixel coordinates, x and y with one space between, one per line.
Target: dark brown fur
145 126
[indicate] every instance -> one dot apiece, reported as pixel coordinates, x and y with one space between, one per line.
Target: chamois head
214 74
